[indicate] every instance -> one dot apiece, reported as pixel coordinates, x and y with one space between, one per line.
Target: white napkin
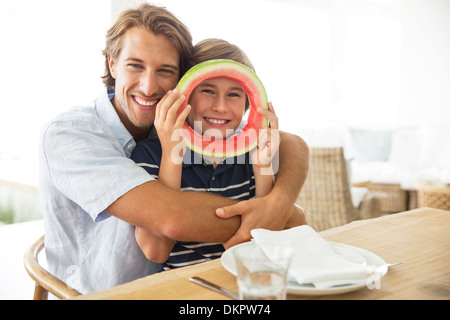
315 260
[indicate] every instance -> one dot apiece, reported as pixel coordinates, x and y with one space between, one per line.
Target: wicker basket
392 197
412 199
326 193
434 196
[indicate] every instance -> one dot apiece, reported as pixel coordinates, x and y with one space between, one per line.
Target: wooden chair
326 194
45 282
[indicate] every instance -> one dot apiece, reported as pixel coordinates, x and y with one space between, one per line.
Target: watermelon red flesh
238 143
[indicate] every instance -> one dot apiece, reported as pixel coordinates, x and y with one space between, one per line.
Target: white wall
360 63
425 61
50 59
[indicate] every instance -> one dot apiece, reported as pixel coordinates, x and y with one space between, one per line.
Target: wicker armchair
326 194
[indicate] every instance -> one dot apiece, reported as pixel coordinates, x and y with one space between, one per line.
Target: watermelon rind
223 68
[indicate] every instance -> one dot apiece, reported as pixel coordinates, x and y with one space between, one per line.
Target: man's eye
135 65
166 71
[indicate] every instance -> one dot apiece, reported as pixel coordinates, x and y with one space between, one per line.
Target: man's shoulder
79 117
91 113
78 113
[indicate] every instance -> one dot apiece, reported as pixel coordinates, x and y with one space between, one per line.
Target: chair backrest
326 194
45 282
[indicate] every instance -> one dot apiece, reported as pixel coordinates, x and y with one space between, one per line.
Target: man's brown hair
156 19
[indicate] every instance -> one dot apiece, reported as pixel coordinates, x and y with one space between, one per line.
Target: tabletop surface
420 236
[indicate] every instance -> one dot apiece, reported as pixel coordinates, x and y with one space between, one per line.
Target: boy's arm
157 248
263 182
263 156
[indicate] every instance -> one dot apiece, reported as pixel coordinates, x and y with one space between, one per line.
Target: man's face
147 67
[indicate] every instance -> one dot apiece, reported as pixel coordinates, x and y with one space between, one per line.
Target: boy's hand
169 124
268 140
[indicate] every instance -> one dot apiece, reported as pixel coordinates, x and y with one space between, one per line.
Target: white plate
228 262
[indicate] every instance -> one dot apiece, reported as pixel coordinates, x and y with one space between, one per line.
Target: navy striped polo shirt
233 178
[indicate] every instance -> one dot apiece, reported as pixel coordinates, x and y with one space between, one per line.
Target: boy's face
219 104
147 67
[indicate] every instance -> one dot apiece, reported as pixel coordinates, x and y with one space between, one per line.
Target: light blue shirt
84 167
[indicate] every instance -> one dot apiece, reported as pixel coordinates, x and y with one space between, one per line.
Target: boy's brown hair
210 49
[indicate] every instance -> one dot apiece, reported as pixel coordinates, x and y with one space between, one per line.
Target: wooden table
420 236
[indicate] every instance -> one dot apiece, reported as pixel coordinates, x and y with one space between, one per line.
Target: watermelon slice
238 143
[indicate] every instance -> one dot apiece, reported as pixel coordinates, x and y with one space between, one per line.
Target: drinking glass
261 276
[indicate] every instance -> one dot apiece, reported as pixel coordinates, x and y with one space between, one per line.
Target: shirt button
213 178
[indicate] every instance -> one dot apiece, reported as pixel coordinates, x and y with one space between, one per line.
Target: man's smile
145 102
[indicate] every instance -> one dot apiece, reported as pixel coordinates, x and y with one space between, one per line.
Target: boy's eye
208 91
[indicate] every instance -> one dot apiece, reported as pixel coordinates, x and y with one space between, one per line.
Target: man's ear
112 66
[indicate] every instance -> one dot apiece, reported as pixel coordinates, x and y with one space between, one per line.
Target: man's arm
275 210
297 218
75 154
294 165
183 216
189 216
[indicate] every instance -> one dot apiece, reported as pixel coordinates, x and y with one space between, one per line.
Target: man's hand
255 213
277 210
252 218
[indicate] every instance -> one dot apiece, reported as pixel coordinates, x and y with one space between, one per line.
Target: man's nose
149 84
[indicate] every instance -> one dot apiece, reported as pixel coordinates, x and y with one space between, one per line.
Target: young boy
218 104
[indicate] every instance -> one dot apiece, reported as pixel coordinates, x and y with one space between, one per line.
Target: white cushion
371 145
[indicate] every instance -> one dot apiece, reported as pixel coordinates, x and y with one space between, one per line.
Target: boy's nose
220 105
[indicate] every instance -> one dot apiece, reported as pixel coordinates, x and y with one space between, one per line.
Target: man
93 194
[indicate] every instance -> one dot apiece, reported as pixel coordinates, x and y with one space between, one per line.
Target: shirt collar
107 113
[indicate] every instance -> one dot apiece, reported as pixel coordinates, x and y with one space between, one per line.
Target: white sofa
414 155
404 155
